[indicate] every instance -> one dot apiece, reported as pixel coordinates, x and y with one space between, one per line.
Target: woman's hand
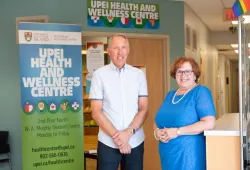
159 133
170 133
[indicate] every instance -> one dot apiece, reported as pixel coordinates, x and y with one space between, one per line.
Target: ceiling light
236 45
246 20
234 22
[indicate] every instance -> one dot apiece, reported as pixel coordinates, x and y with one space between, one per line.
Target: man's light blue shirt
119 91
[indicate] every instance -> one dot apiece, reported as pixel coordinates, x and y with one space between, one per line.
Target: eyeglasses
186 72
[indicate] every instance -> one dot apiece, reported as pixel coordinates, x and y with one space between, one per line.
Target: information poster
95 60
95 56
51 96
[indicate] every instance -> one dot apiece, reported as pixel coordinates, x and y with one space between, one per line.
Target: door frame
166 51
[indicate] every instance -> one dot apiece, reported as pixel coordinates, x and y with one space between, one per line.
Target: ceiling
228 51
211 13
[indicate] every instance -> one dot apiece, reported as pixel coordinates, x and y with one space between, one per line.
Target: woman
182 118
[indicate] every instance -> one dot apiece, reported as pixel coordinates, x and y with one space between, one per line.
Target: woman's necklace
182 96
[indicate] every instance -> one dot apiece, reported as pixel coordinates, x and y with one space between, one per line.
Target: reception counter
223 144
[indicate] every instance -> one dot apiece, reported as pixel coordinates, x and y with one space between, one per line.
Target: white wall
224 71
223 37
204 46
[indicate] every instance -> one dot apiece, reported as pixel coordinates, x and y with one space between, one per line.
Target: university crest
28 36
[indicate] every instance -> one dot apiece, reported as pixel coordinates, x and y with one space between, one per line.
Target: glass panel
245 95
247 98
90 126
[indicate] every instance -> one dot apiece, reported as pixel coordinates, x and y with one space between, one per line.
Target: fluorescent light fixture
237 51
246 20
234 22
236 45
85 52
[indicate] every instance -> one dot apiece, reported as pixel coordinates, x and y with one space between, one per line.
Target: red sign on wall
229 15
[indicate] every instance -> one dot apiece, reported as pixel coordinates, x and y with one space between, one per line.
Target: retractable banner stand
51 96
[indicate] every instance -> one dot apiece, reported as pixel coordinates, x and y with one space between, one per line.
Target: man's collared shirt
119 91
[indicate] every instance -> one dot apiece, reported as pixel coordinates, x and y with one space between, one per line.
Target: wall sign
123 14
228 15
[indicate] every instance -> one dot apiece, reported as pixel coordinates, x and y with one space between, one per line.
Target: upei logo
28 36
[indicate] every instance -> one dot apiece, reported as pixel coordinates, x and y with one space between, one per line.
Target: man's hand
122 137
125 149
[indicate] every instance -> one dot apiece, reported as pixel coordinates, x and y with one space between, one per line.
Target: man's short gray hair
117 35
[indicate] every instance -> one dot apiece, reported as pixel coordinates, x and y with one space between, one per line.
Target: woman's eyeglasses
186 72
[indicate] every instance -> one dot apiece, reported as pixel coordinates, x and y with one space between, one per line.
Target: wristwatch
178 132
132 130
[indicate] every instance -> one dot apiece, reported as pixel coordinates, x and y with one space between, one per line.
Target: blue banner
51 96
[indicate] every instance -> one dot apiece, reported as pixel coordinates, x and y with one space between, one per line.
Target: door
149 53
227 91
203 67
218 90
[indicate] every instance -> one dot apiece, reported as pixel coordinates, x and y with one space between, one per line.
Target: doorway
151 51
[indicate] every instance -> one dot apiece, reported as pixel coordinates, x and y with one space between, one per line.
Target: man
119 103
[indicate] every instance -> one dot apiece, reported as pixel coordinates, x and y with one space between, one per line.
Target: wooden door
149 53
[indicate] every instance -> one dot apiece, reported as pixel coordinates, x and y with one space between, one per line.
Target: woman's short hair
178 63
